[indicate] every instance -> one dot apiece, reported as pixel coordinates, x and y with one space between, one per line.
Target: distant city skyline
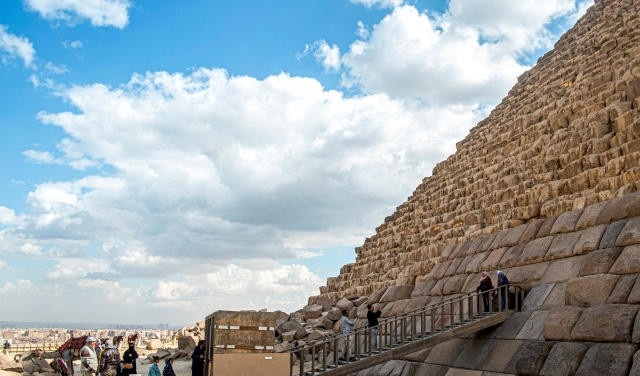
162 160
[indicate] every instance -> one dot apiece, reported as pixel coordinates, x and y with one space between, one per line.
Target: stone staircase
406 333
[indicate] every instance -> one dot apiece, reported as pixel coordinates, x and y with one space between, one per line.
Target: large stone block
533 328
611 234
510 328
589 216
422 288
536 296
628 262
559 323
607 359
564 359
562 246
634 294
605 323
600 261
529 358
535 250
590 290
623 287
566 222
500 355
562 270
589 239
375 297
491 262
394 293
527 275
630 233
474 353
445 353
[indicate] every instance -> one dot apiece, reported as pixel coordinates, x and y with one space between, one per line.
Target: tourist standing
6 347
347 327
129 357
197 360
88 358
110 360
484 286
154 370
503 281
372 318
168 368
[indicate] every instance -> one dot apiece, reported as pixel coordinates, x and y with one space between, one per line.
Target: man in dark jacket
484 286
372 318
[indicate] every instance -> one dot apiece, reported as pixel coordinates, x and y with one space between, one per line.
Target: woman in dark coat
129 357
197 360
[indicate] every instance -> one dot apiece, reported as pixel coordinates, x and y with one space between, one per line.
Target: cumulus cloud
471 54
73 44
113 13
328 56
13 46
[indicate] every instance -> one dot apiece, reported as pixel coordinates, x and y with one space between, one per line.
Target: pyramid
547 189
566 136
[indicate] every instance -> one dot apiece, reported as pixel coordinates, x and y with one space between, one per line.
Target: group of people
486 285
373 315
108 362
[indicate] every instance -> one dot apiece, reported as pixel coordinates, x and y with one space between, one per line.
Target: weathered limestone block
607 359
474 353
564 359
622 207
545 228
566 222
529 358
623 287
453 285
605 323
628 262
375 297
510 328
394 293
334 314
535 250
532 229
528 274
473 266
634 294
491 262
344 304
508 237
562 246
589 216
422 288
498 359
635 367
533 328
611 233
590 290
600 261
563 270
536 297
589 239
559 323
512 256
312 311
446 352
630 233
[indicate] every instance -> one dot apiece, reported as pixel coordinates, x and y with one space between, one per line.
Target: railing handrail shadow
388 327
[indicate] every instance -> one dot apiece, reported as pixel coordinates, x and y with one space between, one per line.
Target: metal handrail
402 329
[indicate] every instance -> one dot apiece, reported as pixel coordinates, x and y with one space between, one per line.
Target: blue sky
168 159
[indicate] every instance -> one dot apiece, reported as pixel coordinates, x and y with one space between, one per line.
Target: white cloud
328 56
7 215
39 156
15 46
57 69
99 12
379 3
73 44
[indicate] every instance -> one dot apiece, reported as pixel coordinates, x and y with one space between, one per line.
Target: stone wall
580 315
567 136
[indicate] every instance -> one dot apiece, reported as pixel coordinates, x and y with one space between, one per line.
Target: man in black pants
372 318
484 286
